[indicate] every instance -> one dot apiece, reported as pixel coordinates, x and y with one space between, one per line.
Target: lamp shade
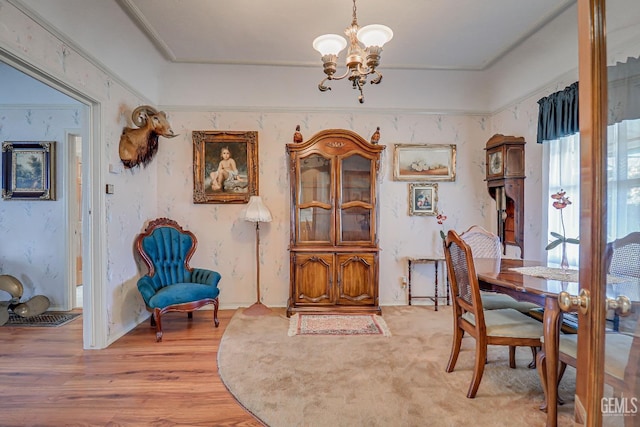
256 211
374 35
329 44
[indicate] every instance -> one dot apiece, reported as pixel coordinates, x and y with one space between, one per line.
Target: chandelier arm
340 77
323 88
321 85
377 79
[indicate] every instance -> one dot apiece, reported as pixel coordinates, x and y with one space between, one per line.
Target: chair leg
455 348
512 356
534 351
563 367
158 322
216 322
478 369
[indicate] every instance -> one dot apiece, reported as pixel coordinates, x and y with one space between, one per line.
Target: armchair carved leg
216 322
158 322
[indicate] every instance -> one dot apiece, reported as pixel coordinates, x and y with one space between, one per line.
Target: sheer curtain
564 174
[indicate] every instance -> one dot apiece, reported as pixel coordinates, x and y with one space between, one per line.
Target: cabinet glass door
314 199
355 199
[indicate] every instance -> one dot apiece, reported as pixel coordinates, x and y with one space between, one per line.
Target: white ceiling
428 34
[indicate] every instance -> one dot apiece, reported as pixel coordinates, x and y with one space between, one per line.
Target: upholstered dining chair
485 244
171 284
621 367
488 327
623 260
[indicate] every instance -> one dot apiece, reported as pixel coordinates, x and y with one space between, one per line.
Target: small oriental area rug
337 324
47 319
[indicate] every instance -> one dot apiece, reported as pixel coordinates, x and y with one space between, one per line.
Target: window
623 178
623 185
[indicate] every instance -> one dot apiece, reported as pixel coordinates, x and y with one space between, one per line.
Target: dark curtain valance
558 114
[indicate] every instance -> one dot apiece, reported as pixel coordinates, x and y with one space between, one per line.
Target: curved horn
140 119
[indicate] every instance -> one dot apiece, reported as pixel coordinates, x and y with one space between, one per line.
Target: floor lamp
257 212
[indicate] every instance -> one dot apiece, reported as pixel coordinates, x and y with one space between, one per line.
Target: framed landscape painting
225 166
28 170
419 162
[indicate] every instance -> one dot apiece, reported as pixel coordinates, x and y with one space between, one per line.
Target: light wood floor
47 379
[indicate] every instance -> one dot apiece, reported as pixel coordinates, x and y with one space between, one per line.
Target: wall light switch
110 188
116 169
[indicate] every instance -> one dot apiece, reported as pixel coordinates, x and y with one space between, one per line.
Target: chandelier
372 37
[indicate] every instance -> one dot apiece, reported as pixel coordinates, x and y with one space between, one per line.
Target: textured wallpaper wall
228 244
164 188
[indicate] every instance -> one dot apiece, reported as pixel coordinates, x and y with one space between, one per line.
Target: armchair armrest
146 288
205 277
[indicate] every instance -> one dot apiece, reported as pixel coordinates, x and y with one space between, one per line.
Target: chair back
166 248
463 277
483 243
623 259
623 256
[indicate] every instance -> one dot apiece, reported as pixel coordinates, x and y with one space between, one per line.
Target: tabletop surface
497 272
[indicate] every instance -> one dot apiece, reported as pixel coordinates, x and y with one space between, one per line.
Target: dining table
537 282
534 281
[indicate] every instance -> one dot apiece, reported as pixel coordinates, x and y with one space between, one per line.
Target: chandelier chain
355 18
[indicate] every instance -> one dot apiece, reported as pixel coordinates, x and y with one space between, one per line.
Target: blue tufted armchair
171 284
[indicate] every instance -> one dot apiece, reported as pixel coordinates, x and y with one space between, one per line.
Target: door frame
94 312
592 55
73 214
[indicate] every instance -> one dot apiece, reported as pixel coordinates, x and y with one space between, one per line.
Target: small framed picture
28 170
420 162
225 166
423 199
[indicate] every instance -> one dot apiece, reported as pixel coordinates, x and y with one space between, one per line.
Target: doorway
74 178
81 256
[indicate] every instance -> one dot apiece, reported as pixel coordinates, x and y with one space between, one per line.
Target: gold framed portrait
225 166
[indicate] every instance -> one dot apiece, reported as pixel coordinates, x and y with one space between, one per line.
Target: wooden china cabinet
334 215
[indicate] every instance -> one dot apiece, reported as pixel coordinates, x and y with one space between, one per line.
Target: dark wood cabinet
334 215
505 181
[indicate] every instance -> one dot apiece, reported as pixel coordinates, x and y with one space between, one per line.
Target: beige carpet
374 380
